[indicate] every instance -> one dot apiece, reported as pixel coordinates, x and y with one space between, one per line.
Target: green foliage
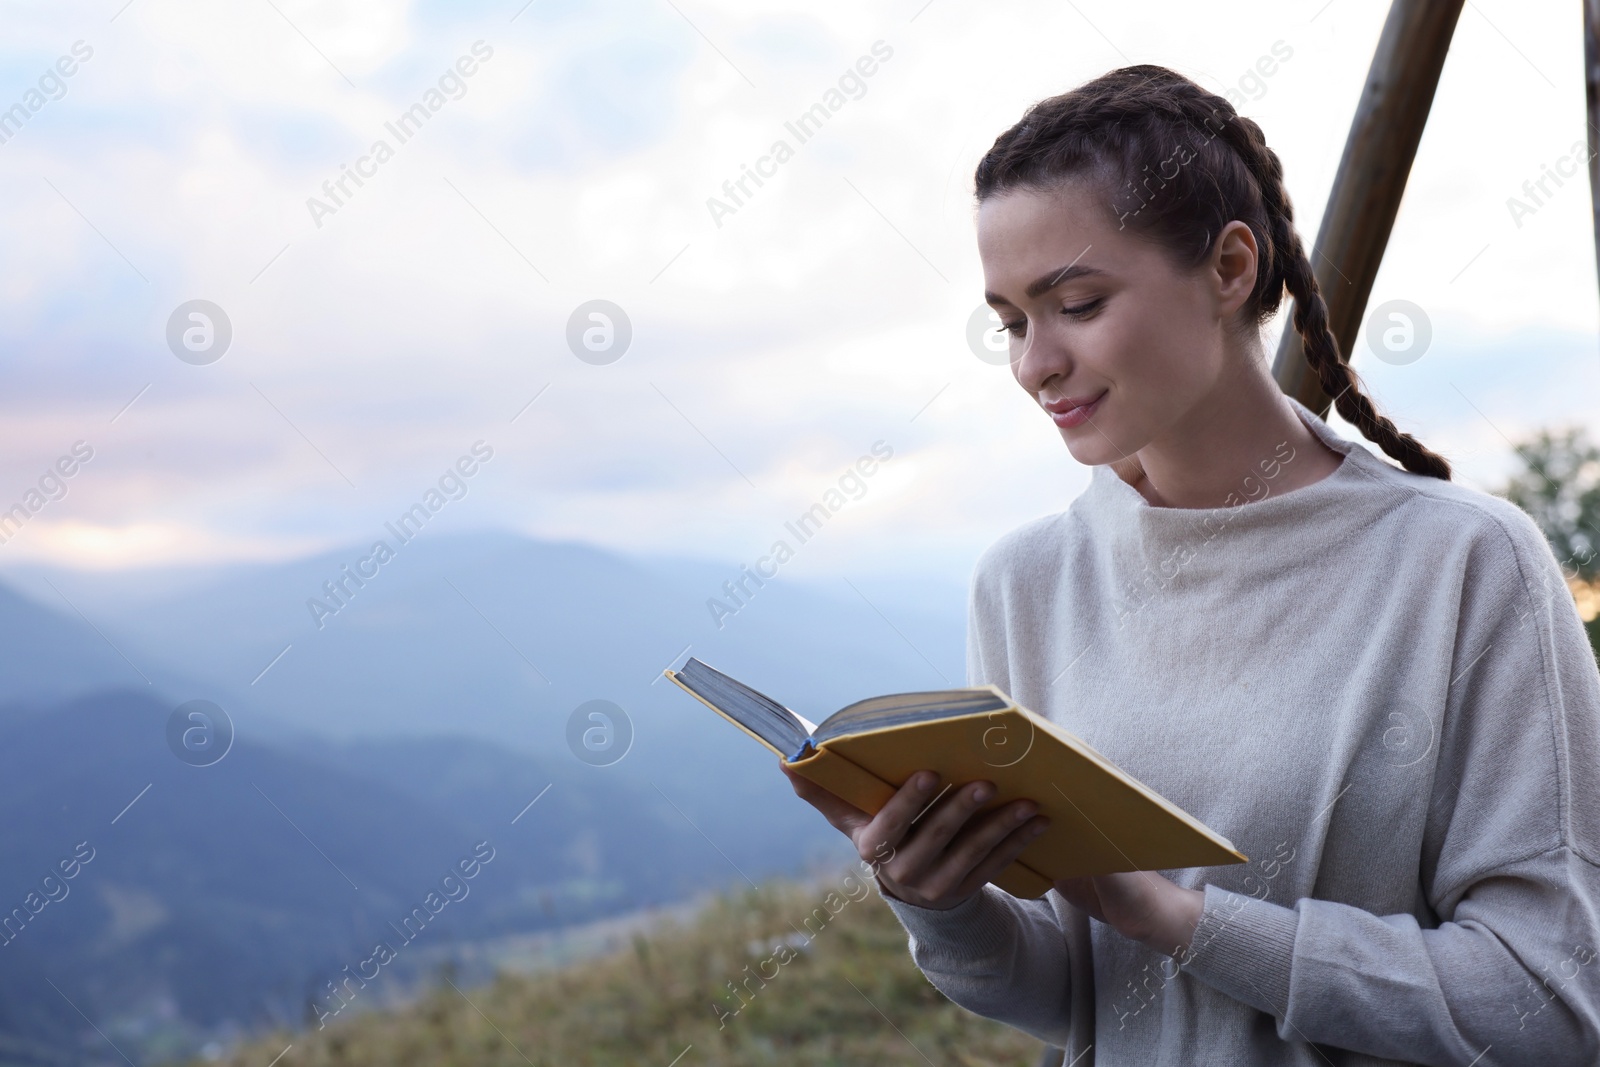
1559 485
842 990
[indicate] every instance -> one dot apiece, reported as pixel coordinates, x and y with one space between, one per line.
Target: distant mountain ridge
425 718
500 623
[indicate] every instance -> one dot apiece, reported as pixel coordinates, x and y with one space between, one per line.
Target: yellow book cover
1102 820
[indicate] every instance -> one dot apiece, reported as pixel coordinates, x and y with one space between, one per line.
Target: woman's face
1118 345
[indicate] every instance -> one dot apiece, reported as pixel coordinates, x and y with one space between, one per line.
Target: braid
1337 378
1121 125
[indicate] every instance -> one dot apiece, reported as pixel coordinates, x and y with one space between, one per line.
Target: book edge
673 676
912 692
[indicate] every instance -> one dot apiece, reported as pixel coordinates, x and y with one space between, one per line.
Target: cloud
822 316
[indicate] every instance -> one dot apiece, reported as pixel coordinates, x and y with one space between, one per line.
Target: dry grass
851 996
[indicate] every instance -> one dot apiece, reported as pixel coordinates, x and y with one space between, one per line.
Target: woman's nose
1038 358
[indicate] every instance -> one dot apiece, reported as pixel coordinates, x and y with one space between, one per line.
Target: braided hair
1182 164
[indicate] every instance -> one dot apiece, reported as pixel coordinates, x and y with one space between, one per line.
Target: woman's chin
1090 447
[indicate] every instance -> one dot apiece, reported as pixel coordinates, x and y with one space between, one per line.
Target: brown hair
1183 165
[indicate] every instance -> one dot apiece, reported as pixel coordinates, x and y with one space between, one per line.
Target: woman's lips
1073 412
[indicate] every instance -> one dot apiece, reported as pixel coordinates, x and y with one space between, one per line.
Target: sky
382 332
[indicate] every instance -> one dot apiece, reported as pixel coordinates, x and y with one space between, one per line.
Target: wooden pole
1372 178
1591 71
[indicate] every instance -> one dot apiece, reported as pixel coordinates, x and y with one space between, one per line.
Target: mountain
53 652
502 636
223 897
443 698
50 655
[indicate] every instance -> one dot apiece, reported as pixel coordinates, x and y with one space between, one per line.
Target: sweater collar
1124 515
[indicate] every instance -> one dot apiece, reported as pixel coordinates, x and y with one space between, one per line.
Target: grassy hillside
829 982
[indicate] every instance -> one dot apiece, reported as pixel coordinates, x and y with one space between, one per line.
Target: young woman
1372 680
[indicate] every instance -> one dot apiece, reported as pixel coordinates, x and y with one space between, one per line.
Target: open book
1101 819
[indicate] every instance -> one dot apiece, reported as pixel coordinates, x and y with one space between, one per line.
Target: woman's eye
1017 329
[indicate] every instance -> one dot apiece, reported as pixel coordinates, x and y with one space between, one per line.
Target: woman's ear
1233 264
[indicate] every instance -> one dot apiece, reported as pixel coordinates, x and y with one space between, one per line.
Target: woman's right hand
945 856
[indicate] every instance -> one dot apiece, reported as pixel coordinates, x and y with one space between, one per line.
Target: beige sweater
1378 687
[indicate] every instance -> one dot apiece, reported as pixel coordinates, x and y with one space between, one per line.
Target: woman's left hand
1141 906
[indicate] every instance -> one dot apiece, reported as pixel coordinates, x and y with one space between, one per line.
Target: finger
888 828
919 849
954 874
971 847
1003 854
841 814
982 835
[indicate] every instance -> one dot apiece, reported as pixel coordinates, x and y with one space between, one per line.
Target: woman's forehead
1025 234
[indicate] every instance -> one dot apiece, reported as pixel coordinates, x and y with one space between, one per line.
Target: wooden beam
1371 179
1591 72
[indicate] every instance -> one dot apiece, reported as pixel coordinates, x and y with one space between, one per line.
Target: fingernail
1023 814
926 781
982 793
1039 829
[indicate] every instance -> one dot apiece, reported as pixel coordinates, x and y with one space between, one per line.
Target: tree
1559 486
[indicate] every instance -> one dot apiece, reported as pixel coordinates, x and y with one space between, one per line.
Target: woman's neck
1244 430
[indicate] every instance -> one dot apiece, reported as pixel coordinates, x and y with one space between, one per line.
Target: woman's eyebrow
1046 282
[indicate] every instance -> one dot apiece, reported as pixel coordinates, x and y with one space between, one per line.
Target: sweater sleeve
997 956
994 954
1509 974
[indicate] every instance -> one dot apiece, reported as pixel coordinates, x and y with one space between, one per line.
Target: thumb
844 816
